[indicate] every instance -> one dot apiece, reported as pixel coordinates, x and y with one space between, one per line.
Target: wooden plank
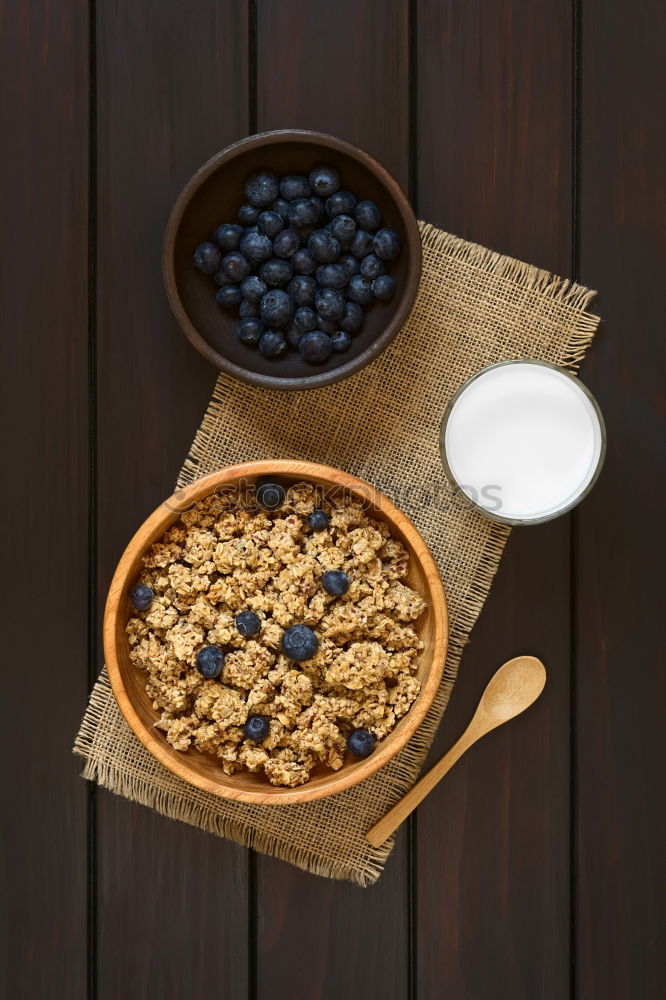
494 165
172 90
44 404
620 694
341 68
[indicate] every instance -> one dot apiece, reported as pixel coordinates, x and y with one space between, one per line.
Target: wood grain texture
44 415
494 112
620 607
341 68
171 91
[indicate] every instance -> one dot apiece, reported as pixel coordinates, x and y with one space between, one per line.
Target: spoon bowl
511 690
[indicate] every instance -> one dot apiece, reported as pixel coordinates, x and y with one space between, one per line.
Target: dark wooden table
536 870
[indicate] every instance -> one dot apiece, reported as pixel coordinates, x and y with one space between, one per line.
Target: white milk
523 441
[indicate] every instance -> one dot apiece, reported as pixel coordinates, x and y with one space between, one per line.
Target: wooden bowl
202 770
214 195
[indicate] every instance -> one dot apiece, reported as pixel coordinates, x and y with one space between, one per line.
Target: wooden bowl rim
405 302
387 748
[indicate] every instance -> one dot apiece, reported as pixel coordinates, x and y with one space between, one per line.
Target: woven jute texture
474 307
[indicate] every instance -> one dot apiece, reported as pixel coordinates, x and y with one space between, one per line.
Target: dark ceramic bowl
214 195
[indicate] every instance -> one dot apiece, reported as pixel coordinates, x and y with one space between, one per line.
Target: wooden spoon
514 687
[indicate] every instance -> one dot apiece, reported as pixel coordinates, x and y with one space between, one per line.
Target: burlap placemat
474 307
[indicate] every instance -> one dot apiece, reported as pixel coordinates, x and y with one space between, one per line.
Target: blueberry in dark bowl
324 181
328 326
286 243
269 494
249 330
360 743
383 287
207 257
352 319
362 244
330 303
340 203
235 266
305 319
293 186
228 237
261 189
248 214
359 290
343 228
350 264
335 582
247 308
386 244
229 296
256 247
253 288
270 224
276 272
257 728
315 347
371 266
299 643
303 262
331 276
141 597
272 343
323 246
210 661
341 341
302 289
318 520
367 215
248 622
303 212
281 207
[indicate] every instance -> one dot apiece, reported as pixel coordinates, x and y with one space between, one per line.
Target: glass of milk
524 441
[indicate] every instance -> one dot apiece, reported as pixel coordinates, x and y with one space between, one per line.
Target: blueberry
303 212
248 215
305 319
235 266
341 340
324 247
359 290
360 743
367 215
352 319
230 296
386 244
276 308
362 243
276 273
340 203
292 334
270 495
270 224
371 266
327 325
248 622
324 181
317 205
318 520
350 264
272 343
249 330
383 287
302 289
281 208
303 262
315 346
248 308
207 257
286 243
228 237
343 228
210 661
258 727
256 247
335 582
261 189
330 303
299 643
331 276
221 279
292 187
141 596
252 289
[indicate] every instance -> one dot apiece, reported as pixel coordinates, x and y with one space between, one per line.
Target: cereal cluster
226 555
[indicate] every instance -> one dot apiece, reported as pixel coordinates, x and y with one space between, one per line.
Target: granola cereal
227 555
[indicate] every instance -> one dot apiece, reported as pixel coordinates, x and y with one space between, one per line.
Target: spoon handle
408 803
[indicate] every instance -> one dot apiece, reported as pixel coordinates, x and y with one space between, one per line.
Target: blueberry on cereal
248 622
270 496
299 643
361 743
210 661
141 597
318 520
335 582
256 728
